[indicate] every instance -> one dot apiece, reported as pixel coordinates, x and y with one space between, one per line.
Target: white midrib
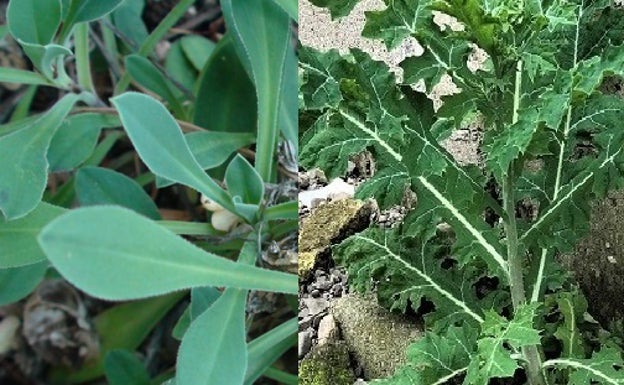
567 196
434 285
467 225
580 365
372 134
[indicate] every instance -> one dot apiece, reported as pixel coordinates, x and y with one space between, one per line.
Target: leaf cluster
73 198
551 141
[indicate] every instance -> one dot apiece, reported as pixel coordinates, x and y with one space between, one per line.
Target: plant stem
514 259
83 62
150 43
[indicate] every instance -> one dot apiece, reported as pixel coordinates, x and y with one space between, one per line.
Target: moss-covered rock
377 338
329 224
327 364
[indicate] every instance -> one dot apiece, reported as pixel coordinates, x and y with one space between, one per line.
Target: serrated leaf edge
424 276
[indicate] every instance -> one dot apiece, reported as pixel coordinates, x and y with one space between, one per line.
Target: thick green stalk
152 40
514 259
83 62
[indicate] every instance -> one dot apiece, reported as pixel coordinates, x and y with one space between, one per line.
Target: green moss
327 365
329 223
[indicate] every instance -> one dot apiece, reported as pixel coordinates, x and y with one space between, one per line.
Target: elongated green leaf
211 149
147 75
17 125
127 18
267 348
13 75
86 10
243 181
34 21
197 49
18 282
180 68
262 35
288 119
97 186
126 261
75 140
18 238
24 173
124 368
287 210
222 359
201 299
291 7
160 143
232 103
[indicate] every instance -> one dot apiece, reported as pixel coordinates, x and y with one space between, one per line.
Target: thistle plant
502 306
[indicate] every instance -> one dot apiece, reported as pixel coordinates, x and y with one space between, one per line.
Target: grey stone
305 342
327 330
315 305
305 323
377 338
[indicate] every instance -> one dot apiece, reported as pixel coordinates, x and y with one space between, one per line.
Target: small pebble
336 290
304 312
305 323
315 293
305 342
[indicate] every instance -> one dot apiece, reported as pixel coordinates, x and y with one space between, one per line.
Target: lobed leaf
498 340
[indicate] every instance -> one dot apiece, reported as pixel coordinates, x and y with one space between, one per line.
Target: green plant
502 307
115 245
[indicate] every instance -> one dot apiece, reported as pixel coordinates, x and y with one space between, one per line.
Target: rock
377 338
327 330
315 305
329 224
337 187
323 283
305 342
326 364
315 293
336 290
304 313
305 322
360 381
